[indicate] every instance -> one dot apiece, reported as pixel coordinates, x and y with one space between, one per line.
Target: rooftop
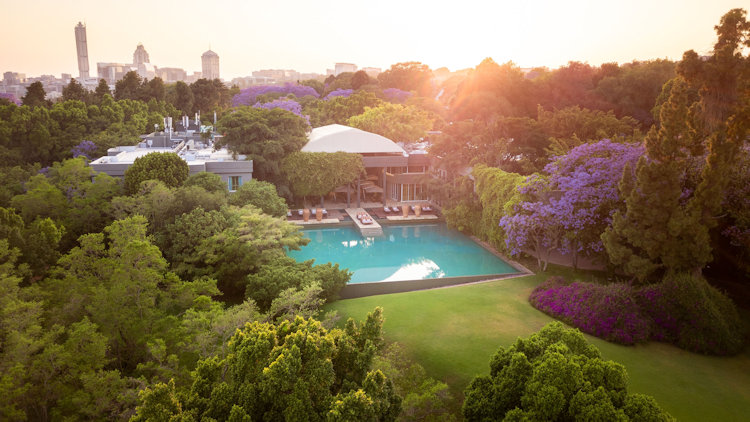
335 138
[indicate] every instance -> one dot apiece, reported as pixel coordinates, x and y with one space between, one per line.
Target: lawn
452 332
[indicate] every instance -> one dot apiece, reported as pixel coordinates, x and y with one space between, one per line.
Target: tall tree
266 137
35 96
408 76
166 167
101 90
183 97
75 91
394 121
128 87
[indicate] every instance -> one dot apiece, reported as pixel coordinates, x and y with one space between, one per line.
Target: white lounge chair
300 212
386 209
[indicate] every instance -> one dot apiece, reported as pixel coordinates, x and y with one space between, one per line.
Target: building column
384 188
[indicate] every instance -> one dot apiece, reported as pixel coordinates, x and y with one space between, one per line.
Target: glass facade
234 183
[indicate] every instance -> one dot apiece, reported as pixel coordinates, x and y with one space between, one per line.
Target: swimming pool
405 252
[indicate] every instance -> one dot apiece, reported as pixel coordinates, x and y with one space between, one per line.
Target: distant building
372 71
82 50
340 68
113 72
140 55
13 78
171 74
210 65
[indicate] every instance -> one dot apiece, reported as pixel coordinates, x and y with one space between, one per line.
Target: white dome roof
335 138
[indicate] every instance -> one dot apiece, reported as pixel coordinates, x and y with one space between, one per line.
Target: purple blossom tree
284 104
248 96
571 208
396 95
10 97
84 149
339 93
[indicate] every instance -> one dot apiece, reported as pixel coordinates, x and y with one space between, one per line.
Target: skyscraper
140 56
210 61
83 51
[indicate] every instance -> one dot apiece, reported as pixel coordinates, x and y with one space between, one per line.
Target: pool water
406 252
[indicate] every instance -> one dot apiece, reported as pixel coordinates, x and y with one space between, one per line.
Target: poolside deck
373 229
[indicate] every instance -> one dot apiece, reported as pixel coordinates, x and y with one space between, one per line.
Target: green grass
453 332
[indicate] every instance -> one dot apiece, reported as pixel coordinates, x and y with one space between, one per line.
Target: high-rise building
83 51
340 68
140 56
210 61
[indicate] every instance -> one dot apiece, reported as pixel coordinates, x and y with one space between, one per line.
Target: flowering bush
606 311
339 93
249 95
682 310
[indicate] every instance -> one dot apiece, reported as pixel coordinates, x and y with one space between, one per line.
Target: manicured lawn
452 332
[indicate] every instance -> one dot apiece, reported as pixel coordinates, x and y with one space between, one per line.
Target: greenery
396 122
296 370
318 173
260 194
555 375
168 168
435 326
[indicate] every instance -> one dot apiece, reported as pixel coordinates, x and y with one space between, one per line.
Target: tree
169 168
318 173
676 211
360 79
555 375
183 97
394 121
408 76
266 137
211 182
75 91
209 95
260 194
339 109
101 90
35 96
295 370
128 87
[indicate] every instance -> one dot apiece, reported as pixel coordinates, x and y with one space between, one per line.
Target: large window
412 192
234 183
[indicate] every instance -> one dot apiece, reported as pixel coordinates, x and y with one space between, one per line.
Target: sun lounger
395 209
300 212
386 209
288 213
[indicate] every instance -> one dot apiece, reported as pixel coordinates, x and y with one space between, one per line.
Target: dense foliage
166 167
295 370
683 310
555 375
318 173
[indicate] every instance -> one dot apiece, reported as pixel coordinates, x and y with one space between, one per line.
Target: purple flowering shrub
606 311
248 96
682 310
339 93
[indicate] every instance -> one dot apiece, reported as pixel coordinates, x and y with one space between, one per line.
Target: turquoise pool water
408 252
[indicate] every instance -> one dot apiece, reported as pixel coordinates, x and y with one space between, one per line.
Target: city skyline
312 37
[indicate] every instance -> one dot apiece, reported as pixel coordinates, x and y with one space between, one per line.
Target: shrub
606 311
692 314
683 310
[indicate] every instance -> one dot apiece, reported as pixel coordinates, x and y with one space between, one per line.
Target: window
234 183
412 192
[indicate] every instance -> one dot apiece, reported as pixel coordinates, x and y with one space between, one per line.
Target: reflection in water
424 268
403 253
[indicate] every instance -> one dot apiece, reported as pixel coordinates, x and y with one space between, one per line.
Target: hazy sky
310 36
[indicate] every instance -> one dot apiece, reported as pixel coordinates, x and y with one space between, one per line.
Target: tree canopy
166 167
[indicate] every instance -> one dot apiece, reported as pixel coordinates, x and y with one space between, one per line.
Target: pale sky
310 36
